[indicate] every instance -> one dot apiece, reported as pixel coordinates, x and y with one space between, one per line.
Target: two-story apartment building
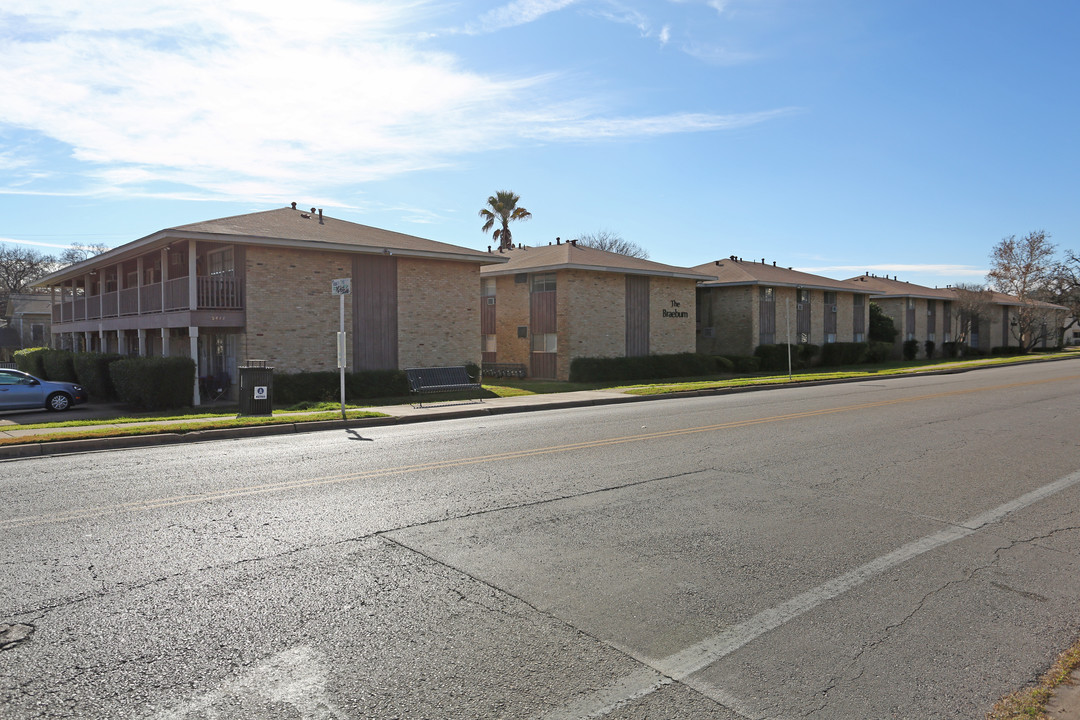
258 286
550 304
942 315
744 304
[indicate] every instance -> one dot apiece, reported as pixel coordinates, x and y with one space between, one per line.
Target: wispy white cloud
518 12
248 99
899 270
590 129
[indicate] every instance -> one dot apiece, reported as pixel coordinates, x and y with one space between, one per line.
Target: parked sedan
19 390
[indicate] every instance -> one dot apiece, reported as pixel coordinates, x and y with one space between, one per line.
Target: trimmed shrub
775 357
949 349
325 386
92 371
911 349
32 360
744 363
928 348
843 353
723 364
1007 350
879 352
153 383
60 365
644 367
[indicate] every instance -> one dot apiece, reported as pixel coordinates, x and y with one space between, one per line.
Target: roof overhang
164 237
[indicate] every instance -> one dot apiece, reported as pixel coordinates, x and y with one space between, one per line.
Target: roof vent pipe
762 261
558 241
573 242
774 263
489 248
320 216
294 206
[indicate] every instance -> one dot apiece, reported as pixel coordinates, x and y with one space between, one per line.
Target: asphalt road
906 548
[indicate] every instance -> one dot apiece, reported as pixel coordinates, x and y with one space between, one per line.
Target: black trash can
256 392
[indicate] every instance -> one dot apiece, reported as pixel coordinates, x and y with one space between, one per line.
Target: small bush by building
645 367
32 360
911 349
92 371
153 383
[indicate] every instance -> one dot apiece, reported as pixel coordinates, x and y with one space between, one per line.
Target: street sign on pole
341 287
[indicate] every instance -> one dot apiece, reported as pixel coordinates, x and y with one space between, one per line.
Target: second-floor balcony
215 292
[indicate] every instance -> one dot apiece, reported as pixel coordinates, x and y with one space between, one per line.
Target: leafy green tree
882 328
502 208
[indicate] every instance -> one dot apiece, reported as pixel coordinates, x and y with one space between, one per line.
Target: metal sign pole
341 354
341 288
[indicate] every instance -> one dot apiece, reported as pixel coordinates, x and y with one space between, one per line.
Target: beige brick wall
438 313
511 310
292 319
592 316
672 333
732 313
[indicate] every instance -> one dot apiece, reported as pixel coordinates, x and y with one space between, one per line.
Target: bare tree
972 304
19 269
612 242
1024 268
1064 289
77 252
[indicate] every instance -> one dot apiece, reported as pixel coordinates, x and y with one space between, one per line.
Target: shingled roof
892 288
735 271
288 227
570 256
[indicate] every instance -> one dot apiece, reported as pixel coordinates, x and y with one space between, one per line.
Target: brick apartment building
744 304
550 304
258 286
933 314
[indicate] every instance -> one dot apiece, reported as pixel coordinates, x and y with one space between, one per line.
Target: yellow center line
272 487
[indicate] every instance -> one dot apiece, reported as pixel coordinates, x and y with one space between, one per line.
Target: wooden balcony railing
212 293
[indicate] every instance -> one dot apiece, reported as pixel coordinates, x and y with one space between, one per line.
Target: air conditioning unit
834 308
708 332
491 301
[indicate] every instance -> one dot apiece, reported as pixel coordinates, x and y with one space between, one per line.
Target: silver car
20 391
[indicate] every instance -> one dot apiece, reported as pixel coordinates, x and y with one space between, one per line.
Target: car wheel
58 401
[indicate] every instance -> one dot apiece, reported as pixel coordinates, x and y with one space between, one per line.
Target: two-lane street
904 548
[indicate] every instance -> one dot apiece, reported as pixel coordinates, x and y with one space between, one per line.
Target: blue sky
835 136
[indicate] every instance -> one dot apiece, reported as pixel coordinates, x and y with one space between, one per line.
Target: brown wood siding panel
487 315
909 323
1004 326
931 318
543 364
542 312
766 322
946 321
637 315
374 306
488 357
802 322
830 319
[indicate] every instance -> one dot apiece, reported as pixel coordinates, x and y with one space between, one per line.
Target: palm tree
503 206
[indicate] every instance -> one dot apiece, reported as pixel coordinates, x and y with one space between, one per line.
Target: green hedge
878 352
32 360
744 363
154 383
92 371
646 367
325 386
844 353
775 357
1007 350
60 366
911 349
